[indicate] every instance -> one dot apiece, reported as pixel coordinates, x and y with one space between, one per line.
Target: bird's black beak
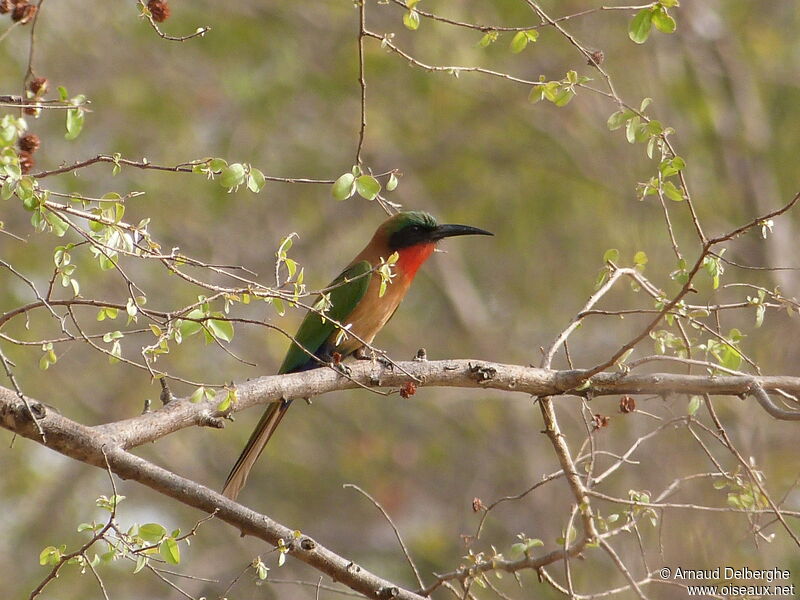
449 230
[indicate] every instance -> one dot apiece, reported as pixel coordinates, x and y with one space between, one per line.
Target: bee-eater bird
358 306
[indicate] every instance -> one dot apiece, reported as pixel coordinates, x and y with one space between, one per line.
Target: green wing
313 330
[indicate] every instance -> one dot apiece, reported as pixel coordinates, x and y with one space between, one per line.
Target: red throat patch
412 257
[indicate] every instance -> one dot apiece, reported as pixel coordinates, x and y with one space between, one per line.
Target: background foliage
275 85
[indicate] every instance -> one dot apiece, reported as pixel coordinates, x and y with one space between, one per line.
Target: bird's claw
342 368
384 362
362 354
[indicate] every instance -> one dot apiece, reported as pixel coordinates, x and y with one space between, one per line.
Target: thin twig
394 528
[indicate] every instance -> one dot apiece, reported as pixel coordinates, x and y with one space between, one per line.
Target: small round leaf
344 187
368 187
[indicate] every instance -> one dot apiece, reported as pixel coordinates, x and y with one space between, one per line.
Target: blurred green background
275 84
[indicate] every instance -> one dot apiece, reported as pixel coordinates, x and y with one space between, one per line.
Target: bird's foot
166 394
342 368
386 363
364 354
334 361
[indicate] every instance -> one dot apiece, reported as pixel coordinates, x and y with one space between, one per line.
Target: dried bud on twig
596 58
599 421
409 389
38 86
29 142
159 9
26 161
23 12
627 404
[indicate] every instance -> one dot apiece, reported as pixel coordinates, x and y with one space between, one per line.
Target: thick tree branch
93 445
88 445
452 373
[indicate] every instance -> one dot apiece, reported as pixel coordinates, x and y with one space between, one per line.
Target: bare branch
394 528
451 373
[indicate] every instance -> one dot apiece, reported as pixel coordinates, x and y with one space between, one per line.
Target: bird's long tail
255 446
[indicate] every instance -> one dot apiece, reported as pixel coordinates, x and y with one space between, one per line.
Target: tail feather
255 446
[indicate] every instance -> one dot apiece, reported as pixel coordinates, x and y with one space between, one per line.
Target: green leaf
654 127
232 176
279 307
111 336
619 118
109 504
152 532
731 357
256 181
108 556
49 556
639 28
224 405
197 395
170 551
141 563
217 164
632 128
519 42
411 20
368 187
670 167
344 187
672 192
488 38
391 185
291 266
760 312
222 330
611 255
188 328
116 352
537 93
59 225
663 21
640 258
694 404
75 118
564 96
651 146
601 278
230 398
8 188
131 308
